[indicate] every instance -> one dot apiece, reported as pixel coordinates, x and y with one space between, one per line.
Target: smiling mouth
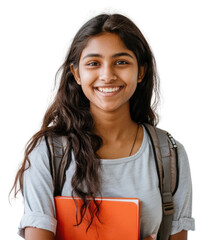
108 89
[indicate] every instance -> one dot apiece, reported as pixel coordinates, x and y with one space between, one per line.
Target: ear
75 72
141 73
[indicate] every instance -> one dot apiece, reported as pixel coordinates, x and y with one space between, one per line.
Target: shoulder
183 161
45 147
182 155
38 166
40 154
181 150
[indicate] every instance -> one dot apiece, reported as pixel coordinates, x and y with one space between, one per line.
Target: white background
35 36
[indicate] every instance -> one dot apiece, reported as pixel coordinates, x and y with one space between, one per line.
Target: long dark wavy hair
69 115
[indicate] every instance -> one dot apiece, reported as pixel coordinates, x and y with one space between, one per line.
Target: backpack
166 159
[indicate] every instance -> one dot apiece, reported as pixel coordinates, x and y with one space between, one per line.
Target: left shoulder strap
59 160
166 158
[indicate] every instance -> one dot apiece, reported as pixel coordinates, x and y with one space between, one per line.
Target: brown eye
93 64
121 62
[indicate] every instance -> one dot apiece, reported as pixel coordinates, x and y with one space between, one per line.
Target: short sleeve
182 218
39 209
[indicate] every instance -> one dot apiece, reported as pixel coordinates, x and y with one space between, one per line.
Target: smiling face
108 73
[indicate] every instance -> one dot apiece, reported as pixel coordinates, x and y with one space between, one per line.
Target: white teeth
108 90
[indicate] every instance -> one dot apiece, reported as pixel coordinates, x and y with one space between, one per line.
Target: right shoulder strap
165 154
59 160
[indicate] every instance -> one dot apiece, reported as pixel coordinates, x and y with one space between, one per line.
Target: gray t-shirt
130 177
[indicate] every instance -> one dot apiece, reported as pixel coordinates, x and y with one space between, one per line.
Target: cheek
132 90
131 82
128 75
87 77
132 85
87 89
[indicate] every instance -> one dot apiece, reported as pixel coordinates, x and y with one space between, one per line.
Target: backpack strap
165 154
59 160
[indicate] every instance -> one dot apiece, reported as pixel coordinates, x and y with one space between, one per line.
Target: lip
108 94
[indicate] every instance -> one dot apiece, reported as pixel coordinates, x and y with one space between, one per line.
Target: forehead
105 44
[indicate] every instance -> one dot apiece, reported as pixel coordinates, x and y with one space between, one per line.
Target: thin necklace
134 140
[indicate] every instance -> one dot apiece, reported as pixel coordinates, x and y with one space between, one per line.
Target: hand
151 237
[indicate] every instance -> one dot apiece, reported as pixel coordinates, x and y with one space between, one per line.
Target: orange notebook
120 220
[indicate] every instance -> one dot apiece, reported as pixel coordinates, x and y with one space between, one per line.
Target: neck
112 126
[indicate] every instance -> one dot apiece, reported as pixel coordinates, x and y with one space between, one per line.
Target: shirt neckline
129 158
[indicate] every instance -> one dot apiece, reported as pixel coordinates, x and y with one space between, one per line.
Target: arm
182 218
39 207
32 233
179 236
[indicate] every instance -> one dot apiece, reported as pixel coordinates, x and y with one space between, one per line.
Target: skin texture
179 236
101 66
38 234
106 63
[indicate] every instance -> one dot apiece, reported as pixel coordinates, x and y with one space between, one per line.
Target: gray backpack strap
59 161
165 153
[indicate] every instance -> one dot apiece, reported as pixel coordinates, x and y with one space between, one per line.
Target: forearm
32 233
179 236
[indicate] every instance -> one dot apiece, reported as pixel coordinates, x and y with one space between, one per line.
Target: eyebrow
113 56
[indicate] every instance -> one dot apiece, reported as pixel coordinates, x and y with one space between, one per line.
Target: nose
107 74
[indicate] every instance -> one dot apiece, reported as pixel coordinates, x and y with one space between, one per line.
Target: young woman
104 97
